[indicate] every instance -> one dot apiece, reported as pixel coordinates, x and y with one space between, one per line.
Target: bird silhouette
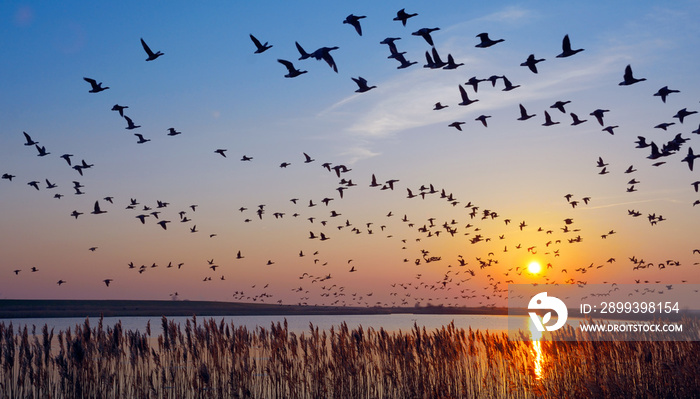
362 84
531 63
690 158
259 47
628 78
42 151
173 132
292 72
403 16
548 120
566 50
130 124
456 125
425 34
681 114
29 140
119 108
523 114
96 87
486 41
598 113
96 210
354 20
107 281
465 98
664 92
141 138
151 55
221 151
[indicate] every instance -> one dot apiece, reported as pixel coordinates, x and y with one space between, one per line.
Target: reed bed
217 360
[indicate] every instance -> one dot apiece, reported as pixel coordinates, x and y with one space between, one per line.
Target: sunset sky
211 86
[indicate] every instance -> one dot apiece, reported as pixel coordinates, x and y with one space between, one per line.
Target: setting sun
534 267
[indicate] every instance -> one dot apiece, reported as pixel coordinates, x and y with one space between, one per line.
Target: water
296 323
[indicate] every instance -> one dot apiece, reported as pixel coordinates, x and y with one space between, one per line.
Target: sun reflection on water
536 350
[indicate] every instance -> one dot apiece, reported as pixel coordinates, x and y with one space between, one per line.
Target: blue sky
210 86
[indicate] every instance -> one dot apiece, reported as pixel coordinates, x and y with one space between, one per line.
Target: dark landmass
11 308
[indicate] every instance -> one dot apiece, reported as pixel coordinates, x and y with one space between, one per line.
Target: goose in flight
609 129
560 106
96 87
67 158
221 151
629 79
523 114
96 210
354 20
163 224
566 50
34 184
107 281
690 158
403 16
664 92
292 71
474 82
576 120
173 132
29 140
438 106
486 41
465 98
151 55
141 139
599 115
508 85
456 125
425 34
259 47
362 84
75 214
482 118
531 63
130 124
119 108
42 151
307 158
600 163
683 113
548 120
50 185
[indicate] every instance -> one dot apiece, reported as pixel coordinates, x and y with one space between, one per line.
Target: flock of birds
475 277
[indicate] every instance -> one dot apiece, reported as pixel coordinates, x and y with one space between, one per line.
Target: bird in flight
96 210
628 78
221 151
119 108
486 41
107 281
141 138
151 55
354 20
362 85
664 92
531 63
292 71
29 140
523 114
260 48
566 50
425 34
403 16
96 87
465 98
130 124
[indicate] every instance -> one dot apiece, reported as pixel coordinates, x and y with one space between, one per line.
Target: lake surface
297 324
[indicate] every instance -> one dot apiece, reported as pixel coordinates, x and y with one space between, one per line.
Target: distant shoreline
45 308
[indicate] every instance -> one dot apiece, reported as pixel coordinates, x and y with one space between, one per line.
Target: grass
206 359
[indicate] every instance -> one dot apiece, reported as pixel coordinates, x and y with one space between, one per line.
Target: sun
534 267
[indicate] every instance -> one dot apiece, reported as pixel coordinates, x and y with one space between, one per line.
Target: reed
219 360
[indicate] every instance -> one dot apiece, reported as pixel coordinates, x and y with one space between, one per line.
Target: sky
383 248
